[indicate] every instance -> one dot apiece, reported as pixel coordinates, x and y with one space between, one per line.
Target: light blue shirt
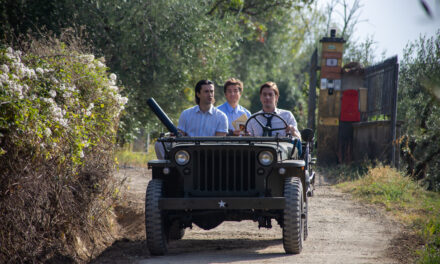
195 123
233 113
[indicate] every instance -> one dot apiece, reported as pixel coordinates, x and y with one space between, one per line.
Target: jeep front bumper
260 203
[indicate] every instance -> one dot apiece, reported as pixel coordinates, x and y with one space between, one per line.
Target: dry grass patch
406 200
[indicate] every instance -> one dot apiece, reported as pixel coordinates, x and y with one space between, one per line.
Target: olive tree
419 106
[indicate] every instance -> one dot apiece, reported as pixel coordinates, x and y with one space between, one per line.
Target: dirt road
340 231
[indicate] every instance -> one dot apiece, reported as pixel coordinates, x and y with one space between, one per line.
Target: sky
394 23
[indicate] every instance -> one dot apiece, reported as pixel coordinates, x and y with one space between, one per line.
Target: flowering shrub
59 111
48 109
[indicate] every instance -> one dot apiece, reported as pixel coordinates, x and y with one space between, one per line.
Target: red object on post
350 106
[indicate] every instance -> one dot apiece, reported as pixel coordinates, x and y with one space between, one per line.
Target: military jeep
208 180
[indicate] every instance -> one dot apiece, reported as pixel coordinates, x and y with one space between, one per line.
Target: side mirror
307 134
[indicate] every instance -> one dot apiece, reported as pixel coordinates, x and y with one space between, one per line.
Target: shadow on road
190 250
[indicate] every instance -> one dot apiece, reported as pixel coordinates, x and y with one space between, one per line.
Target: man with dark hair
269 95
233 89
202 120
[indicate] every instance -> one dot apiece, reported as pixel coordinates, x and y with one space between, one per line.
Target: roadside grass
408 202
127 158
343 173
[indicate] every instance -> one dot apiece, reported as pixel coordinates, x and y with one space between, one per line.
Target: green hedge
59 112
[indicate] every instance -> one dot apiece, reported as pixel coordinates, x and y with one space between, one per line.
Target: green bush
419 107
431 234
59 112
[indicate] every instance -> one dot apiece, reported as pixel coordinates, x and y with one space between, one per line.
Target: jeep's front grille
220 170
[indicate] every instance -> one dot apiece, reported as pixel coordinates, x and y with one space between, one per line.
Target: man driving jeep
269 95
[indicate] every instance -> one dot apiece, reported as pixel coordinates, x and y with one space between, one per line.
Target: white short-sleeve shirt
256 130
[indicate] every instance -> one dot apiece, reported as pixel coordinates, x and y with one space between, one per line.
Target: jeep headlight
182 157
265 158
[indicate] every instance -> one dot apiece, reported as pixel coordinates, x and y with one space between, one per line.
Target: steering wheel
266 129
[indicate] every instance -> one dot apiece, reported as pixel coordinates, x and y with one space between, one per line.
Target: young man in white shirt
269 95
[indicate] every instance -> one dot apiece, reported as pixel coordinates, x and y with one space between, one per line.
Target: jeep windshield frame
227 139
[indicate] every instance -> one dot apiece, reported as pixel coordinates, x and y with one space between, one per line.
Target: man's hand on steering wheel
291 130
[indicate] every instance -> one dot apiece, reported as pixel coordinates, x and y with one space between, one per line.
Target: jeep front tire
154 219
293 224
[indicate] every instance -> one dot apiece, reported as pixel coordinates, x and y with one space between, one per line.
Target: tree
275 47
419 106
162 48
